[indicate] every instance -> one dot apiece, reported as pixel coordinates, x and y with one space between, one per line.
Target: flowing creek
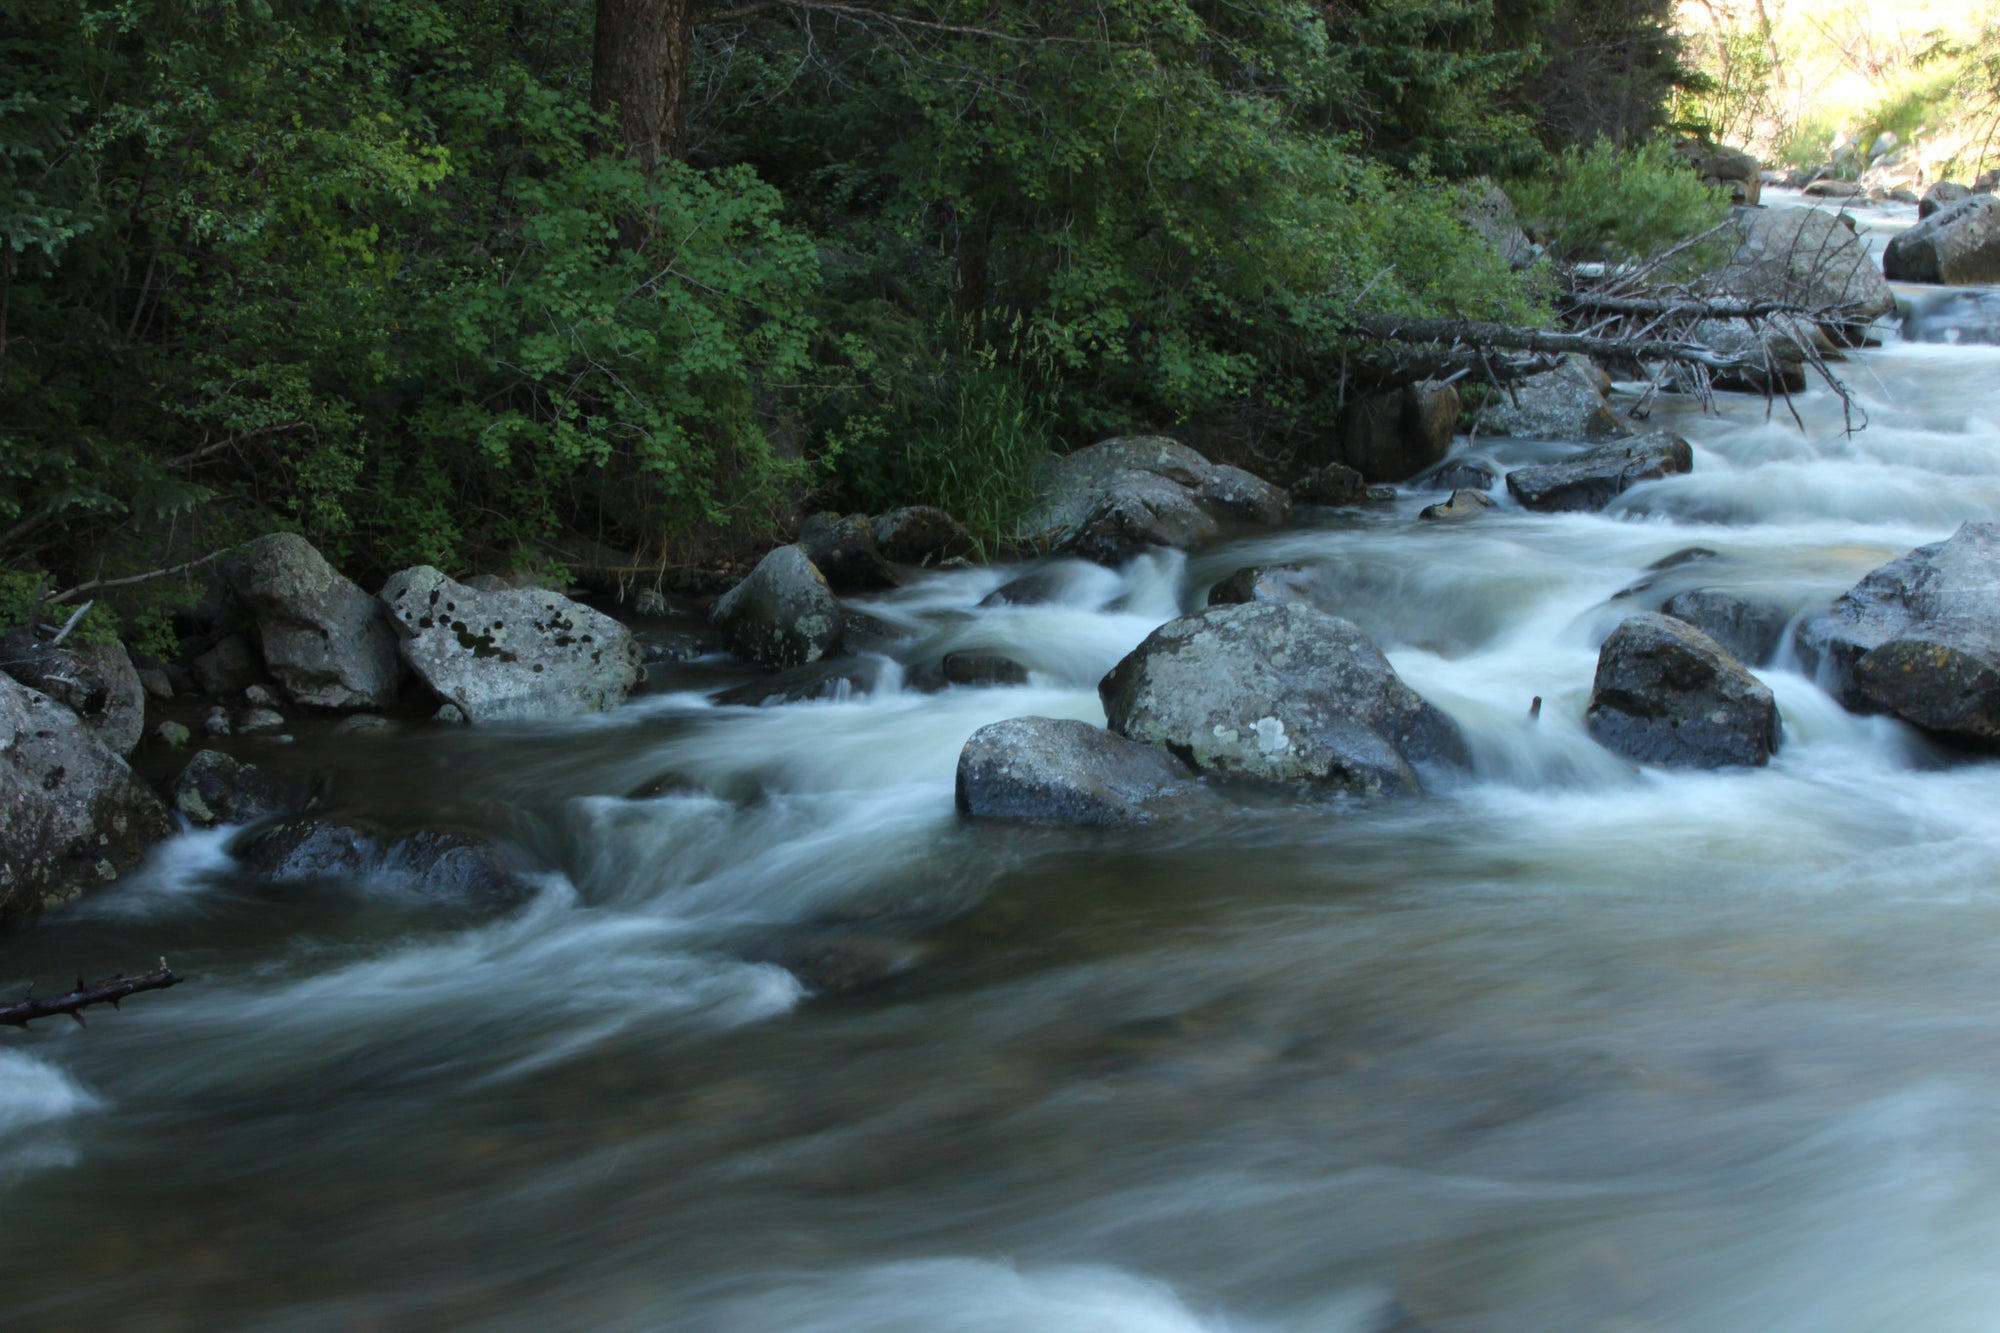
1565 1045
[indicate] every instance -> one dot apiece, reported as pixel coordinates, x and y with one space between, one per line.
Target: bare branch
108 991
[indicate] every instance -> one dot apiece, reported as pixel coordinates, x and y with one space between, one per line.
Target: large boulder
843 549
1769 359
96 681
1118 497
1280 692
1487 210
72 813
1751 628
1594 478
1805 257
1957 246
921 535
514 655
1393 436
326 641
1049 770
230 667
1332 484
1940 196
783 615
1918 638
1668 694
1571 402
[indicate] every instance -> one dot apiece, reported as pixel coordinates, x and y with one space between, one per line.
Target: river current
1564 1045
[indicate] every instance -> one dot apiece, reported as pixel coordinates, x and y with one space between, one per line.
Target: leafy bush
1605 203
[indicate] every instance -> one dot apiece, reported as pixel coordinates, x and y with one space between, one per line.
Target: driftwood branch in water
109 991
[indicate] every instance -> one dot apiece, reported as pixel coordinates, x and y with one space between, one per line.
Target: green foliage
1603 203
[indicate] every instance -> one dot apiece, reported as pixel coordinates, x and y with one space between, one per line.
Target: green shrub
1610 204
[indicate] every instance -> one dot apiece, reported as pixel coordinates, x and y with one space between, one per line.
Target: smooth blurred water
1566 1045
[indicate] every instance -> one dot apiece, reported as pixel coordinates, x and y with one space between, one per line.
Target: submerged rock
447 864
1957 246
1059 771
510 656
1116 498
1918 638
95 681
214 788
72 812
326 641
822 680
982 669
783 615
1667 694
1594 478
1279 692
1751 628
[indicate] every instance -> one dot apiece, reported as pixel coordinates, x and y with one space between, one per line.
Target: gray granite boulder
1571 402
96 681
1279 692
214 788
1331 484
1805 257
1918 638
782 615
1957 246
230 667
1594 478
1394 435
1750 628
1940 196
1118 497
921 535
1667 694
326 641
843 549
72 813
1059 771
515 655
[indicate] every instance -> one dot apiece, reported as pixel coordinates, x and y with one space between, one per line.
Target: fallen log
108 991
1479 333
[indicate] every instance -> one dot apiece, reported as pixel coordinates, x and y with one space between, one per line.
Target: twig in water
109 991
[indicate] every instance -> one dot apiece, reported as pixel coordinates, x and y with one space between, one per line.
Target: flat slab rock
1594 478
1667 694
1049 770
513 655
1278 692
1918 638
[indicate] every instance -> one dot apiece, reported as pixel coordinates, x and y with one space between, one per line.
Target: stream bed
781 1043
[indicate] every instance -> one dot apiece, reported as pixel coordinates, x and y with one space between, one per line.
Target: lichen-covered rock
72 813
1280 692
1264 583
1569 403
96 681
1751 628
1957 246
1667 694
921 535
1594 478
782 615
214 788
1805 257
1116 498
512 656
1461 506
324 639
1049 770
1918 638
843 549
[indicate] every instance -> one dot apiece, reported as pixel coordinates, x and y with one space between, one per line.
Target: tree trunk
639 72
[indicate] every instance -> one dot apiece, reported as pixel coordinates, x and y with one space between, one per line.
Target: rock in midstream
1918 638
1667 694
1116 498
843 549
1957 246
782 615
215 788
1751 628
326 641
446 864
1279 692
1061 771
513 655
1594 478
1264 583
1570 402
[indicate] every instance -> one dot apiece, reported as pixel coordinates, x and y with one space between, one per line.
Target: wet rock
1264 583
1805 257
452 864
1941 196
172 735
228 668
324 639
1957 246
863 633
1395 435
1059 771
252 720
982 669
675 645
1280 692
216 723
921 535
95 681
1687 555
157 683
261 696
307 849
456 865
449 715
1667 694
214 788
1333 484
1918 638
1750 628
839 679
519 655
1037 587
843 550
72 812
1470 474
1461 506
1832 188
783 615
1570 402
1594 478
1116 498
1770 360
